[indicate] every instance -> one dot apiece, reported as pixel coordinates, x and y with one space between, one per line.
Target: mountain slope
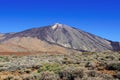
66 36
28 44
1 36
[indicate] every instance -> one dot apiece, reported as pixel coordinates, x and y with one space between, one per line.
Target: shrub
110 57
4 58
48 76
118 52
55 67
71 73
90 65
9 78
67 61
113 66
117 75
92 74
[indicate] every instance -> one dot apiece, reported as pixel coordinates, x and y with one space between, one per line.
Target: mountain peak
57 25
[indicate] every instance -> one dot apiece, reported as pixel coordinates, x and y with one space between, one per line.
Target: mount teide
55 38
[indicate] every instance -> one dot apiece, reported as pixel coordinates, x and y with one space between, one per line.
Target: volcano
55 38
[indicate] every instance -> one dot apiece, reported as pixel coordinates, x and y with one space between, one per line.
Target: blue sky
100 17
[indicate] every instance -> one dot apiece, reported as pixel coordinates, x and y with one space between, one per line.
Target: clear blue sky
100 17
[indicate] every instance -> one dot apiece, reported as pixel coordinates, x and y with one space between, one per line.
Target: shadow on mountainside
116 46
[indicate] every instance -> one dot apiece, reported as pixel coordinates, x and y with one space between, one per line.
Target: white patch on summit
57 25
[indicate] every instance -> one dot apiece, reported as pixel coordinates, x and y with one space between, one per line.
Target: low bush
113 66
71 73
92 73
55 67
47 75
117 75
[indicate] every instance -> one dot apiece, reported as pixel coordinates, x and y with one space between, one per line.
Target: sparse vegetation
77 66
4 58
52 67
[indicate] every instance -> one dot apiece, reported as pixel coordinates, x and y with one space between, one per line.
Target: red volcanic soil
15 53
27 53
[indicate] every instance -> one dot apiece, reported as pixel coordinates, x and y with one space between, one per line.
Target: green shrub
113 66
55 67
4 58
110 57
67 61
70 73
9 78
92 73
48 76
118 52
